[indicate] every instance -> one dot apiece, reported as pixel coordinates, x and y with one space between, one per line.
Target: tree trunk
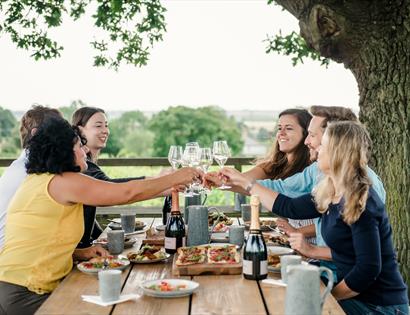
372 39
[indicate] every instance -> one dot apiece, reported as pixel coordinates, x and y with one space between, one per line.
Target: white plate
220 237
151 261
117 225
104 243
273 269
279 250
125 262
191 286
160 227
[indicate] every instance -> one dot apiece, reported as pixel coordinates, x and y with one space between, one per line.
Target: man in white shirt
14 175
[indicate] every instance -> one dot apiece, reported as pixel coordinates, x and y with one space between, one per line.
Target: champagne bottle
166 209
175 230
255 255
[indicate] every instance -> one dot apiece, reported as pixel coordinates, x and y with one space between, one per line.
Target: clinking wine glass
175 156
191 158
221 153
205 161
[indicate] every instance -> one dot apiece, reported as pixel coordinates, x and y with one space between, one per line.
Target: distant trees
9 136
180 124
135 135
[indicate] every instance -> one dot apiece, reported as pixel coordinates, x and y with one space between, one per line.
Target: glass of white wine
221 153
175 156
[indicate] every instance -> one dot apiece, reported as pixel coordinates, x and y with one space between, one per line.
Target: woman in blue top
354 222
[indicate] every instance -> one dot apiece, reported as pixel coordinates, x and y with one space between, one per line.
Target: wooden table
216 294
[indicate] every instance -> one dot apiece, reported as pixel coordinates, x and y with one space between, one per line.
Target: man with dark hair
14 175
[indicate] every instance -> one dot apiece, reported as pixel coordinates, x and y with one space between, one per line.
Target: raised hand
212 179
186 176
284 226
233 177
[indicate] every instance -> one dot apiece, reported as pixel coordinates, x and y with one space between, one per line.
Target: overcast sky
212 54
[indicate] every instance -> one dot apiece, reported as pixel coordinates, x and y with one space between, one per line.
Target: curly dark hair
50 150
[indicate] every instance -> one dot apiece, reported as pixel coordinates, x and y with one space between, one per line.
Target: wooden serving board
206 269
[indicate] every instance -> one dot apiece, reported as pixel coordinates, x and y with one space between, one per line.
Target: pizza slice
191 255
224 254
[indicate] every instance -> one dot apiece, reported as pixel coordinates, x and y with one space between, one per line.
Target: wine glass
175 156
205 161
221 152
191 157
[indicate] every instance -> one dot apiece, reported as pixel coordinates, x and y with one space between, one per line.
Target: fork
105 264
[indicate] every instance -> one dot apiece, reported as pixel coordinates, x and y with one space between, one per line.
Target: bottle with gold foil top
255 254
175 236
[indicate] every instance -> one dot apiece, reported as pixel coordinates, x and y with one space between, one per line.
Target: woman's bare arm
70 188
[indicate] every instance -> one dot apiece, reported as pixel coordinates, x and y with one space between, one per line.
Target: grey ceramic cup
128 222
109 285
237 234
115 240
198 232
288 260
246 212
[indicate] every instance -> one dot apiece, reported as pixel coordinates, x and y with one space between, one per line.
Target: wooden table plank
226 295
66 298
146 304
275 299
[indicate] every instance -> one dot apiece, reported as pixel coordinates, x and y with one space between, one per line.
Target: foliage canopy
130 28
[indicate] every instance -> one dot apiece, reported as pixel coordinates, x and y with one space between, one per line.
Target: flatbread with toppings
147 253
225 254
191 255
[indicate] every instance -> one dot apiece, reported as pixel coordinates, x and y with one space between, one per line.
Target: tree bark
372 39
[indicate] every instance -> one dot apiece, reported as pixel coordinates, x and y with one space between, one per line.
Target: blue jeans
355 307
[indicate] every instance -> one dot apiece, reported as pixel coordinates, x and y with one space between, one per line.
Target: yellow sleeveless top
40 237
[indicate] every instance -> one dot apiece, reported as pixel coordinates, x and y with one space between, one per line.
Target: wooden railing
237 162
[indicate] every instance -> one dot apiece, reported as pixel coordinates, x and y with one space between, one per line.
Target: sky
212 54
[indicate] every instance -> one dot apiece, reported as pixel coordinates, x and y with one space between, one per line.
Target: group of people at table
316 178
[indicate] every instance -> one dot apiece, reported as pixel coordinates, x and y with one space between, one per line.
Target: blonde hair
348 149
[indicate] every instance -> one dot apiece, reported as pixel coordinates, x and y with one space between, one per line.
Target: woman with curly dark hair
45 219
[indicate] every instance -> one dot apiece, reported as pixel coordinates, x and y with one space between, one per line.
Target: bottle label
170 242
264 267
248 267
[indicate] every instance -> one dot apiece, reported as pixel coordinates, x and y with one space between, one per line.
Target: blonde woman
355 225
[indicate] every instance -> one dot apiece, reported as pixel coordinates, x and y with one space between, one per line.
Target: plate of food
214 217
148 254
274 253
128 242
276 240
115 224
169 288
220 227
94 265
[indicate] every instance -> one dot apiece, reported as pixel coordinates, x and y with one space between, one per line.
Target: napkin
96 299
274 282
